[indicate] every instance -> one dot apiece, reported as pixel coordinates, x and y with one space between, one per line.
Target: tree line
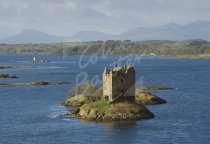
112 47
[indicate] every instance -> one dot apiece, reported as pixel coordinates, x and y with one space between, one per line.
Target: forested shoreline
188 48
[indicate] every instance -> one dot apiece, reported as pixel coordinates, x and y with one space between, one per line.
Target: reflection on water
109 124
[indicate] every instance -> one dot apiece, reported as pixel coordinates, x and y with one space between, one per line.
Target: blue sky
66 17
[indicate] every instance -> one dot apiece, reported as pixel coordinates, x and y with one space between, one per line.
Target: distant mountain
91 36
171 31
32 36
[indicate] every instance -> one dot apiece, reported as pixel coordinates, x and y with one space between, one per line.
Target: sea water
34 114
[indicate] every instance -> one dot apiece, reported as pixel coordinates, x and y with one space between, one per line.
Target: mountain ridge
195 30
32 36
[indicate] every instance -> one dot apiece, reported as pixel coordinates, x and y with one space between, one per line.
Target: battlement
117 69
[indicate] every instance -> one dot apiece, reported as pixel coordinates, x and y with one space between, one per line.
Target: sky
66 17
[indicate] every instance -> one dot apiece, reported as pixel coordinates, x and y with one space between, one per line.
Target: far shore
203 56
183 49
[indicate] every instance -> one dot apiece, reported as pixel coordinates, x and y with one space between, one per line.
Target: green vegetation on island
77 100
103 111
92 105
83 94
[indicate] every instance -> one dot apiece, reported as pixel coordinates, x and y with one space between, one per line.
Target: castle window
121 80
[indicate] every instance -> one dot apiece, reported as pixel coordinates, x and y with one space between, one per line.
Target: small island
147 98
7 76
156 88
39 60
117 100
13 67
33 83
104 111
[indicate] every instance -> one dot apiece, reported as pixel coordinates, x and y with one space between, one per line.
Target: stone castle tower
119 83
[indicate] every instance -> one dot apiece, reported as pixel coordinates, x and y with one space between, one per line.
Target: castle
119 83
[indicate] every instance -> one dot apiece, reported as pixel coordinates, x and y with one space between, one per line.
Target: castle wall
130 82
119 83
107 85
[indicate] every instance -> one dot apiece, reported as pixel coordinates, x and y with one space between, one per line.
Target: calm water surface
33 114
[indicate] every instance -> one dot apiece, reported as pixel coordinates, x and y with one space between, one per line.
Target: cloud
66 17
